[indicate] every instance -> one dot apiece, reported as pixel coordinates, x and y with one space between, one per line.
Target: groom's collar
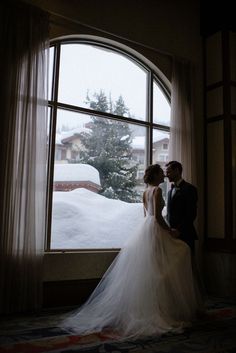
177 183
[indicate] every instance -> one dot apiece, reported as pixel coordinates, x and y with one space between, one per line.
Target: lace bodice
149 200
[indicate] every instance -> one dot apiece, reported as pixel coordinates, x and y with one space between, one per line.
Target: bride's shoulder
157 190
154 190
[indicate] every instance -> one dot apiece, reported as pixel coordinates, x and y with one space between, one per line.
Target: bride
149 289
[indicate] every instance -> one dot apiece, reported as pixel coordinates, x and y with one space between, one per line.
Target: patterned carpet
216 333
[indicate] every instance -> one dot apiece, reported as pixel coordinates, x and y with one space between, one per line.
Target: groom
182 204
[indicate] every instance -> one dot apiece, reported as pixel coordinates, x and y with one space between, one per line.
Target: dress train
149 289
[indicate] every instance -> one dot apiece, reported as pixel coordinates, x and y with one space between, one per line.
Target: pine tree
120 107
100 103
108 148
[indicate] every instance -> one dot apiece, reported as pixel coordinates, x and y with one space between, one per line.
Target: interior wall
220 117
171 27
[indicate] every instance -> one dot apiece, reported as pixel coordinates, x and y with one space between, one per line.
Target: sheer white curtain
23 155
182 142
182 131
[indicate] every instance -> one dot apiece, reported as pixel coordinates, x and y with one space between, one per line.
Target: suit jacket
182 211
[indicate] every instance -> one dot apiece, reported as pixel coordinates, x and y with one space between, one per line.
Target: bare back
151 201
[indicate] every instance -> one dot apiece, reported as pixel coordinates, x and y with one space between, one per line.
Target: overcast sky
86 68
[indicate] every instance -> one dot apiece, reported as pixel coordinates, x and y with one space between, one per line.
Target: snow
83 219
139 142
123 138
65 134
76 172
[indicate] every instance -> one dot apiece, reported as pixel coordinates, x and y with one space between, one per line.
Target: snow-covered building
68 145
68 177
161 151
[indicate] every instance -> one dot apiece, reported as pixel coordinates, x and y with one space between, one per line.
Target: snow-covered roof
66 134
159 142
139 141
76 172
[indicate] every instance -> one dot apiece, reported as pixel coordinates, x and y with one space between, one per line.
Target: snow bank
83 219
76 172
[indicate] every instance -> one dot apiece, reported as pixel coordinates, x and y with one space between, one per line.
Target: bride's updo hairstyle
150 173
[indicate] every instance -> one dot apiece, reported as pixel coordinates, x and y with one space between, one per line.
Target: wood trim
218 84
221 245
227 135
205 154
213 86
227 244
212 119
150 117
218 118
52 139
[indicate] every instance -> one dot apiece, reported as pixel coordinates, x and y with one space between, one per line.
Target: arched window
109 119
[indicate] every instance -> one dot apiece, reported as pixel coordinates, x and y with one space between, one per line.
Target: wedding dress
149 289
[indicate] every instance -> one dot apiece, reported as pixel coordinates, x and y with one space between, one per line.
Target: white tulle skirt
149 289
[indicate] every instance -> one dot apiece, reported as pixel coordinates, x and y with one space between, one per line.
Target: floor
216 333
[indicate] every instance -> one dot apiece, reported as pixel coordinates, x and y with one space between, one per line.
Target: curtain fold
182 141
23 155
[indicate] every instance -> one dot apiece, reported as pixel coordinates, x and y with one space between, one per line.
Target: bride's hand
174 233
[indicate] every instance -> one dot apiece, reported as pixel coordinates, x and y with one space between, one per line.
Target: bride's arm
158 210
144 204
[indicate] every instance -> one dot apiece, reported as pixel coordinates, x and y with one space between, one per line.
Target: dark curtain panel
23 154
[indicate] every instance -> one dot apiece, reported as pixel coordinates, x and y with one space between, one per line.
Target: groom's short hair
175 165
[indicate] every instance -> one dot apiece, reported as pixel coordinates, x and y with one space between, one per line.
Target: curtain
182 142
23 155
182 135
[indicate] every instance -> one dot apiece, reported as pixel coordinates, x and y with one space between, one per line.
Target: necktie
173 190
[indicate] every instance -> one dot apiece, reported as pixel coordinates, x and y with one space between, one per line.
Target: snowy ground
83 219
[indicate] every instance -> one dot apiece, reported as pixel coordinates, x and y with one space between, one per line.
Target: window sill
61 266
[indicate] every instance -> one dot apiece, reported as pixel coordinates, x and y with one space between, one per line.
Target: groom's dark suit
182 211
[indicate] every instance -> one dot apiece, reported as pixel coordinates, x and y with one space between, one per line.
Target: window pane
161 106
50 73
161 155
101 79
48 128
99 165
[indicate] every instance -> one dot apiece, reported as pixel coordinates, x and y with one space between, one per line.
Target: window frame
54 105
